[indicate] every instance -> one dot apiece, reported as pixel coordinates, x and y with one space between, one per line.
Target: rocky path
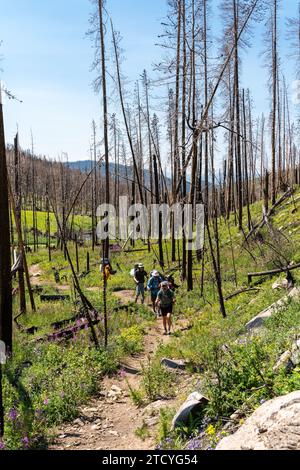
110 421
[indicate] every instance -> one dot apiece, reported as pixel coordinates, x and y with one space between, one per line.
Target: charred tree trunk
157 200
105 116
18 214
5 262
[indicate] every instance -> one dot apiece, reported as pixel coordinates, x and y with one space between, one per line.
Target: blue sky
47 58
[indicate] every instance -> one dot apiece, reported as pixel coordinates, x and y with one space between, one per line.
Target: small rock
280 284
237 416
90 410
154 408
283 361
79 422
62 436
193 404
95 427
107 426
295 354
152 421
116 389
113 433
289 359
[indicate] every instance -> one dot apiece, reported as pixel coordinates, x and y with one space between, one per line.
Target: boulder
190 408
258 321
153 409
289 359
295 353
152 421
273 426
283 361
280 284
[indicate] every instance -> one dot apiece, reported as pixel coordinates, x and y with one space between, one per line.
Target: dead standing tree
134 159
5 262
18 215
105 112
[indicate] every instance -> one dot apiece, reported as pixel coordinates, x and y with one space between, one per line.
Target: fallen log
273 272
62 323
68 333
136 250
260 225
242 291
54 298
29 331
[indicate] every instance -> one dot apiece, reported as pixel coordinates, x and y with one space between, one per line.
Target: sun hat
141 265
165 284
155 273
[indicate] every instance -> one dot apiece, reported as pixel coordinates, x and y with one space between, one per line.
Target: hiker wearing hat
139 278
153 287
166 299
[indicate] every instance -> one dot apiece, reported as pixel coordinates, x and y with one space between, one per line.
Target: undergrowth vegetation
45 382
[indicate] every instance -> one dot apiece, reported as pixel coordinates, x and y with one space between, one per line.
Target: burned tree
5 263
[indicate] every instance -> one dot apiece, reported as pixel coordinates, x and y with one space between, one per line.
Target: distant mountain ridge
86 166
126 172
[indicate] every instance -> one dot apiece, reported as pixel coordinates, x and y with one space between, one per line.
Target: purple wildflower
13 414
25 442
46 401
194 444
262 401
2 446
122 373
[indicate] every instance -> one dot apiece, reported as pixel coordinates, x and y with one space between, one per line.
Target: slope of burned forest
189 190
58 368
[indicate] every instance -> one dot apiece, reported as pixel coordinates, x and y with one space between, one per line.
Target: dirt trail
109 421
36 279
35 273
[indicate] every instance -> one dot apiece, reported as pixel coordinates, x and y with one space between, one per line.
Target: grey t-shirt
165 297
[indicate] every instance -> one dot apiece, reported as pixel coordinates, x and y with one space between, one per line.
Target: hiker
153 287
139 278
165 300
171 281
106 268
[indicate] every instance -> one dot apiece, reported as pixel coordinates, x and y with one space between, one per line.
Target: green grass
44 383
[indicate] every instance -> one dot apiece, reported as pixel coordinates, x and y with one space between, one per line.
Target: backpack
132 272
